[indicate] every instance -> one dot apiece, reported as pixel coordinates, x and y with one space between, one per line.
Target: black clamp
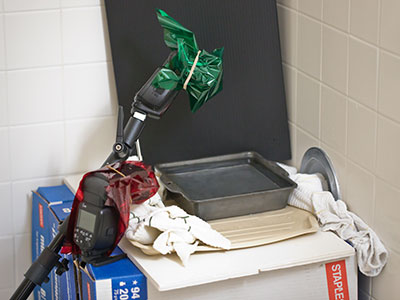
62 266
120 148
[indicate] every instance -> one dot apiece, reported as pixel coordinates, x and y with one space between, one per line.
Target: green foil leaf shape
206 79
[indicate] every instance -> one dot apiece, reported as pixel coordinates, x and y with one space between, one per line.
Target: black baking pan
227 186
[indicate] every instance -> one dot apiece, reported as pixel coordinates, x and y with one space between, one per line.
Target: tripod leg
24 290
42 266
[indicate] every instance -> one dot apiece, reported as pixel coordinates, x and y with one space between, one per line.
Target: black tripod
150 102
41 268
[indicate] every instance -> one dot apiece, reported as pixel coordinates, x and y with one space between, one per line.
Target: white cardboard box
314 267
292 269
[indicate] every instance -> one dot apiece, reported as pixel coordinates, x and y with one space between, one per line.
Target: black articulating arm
148 102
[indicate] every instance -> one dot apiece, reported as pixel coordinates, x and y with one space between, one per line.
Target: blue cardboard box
120 280
117 281
51 205
42 200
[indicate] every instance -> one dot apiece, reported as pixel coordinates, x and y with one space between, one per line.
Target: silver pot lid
315 160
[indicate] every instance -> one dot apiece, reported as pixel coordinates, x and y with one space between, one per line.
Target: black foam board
249 114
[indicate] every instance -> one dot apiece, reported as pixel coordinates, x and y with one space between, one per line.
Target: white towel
306 186
137 231
171 229
334 216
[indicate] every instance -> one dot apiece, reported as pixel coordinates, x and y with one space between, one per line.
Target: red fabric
138 185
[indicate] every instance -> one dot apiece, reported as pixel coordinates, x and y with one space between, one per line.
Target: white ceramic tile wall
389 78
360 191
78 3
303 142
364 19
7 259
57 109
3 100
82 153
2 45
84 35
340 163
37 150
19 5
387 216
289 74
308 103
361 134
390 25
23 254
5 154
309 46
312 8
336 13
334 58
363 63
36 43
42 88
333 119
352 52
5 293
21 201
6 219
89 90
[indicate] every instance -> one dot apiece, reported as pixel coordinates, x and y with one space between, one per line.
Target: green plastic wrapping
206 79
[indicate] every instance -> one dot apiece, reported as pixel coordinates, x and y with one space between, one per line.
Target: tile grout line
378 87
19 180
308 132
294 147
348 49
45 67
323 84
32 10
296 58
53 9
344 95
319 111
346 134
321 60
349 34
321 46
9 144
359 39
370 173
320 77
75 119
63 88
14 261
390 52
346 137
379 50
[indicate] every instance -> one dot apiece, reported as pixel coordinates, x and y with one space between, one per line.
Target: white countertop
221 265
208 267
